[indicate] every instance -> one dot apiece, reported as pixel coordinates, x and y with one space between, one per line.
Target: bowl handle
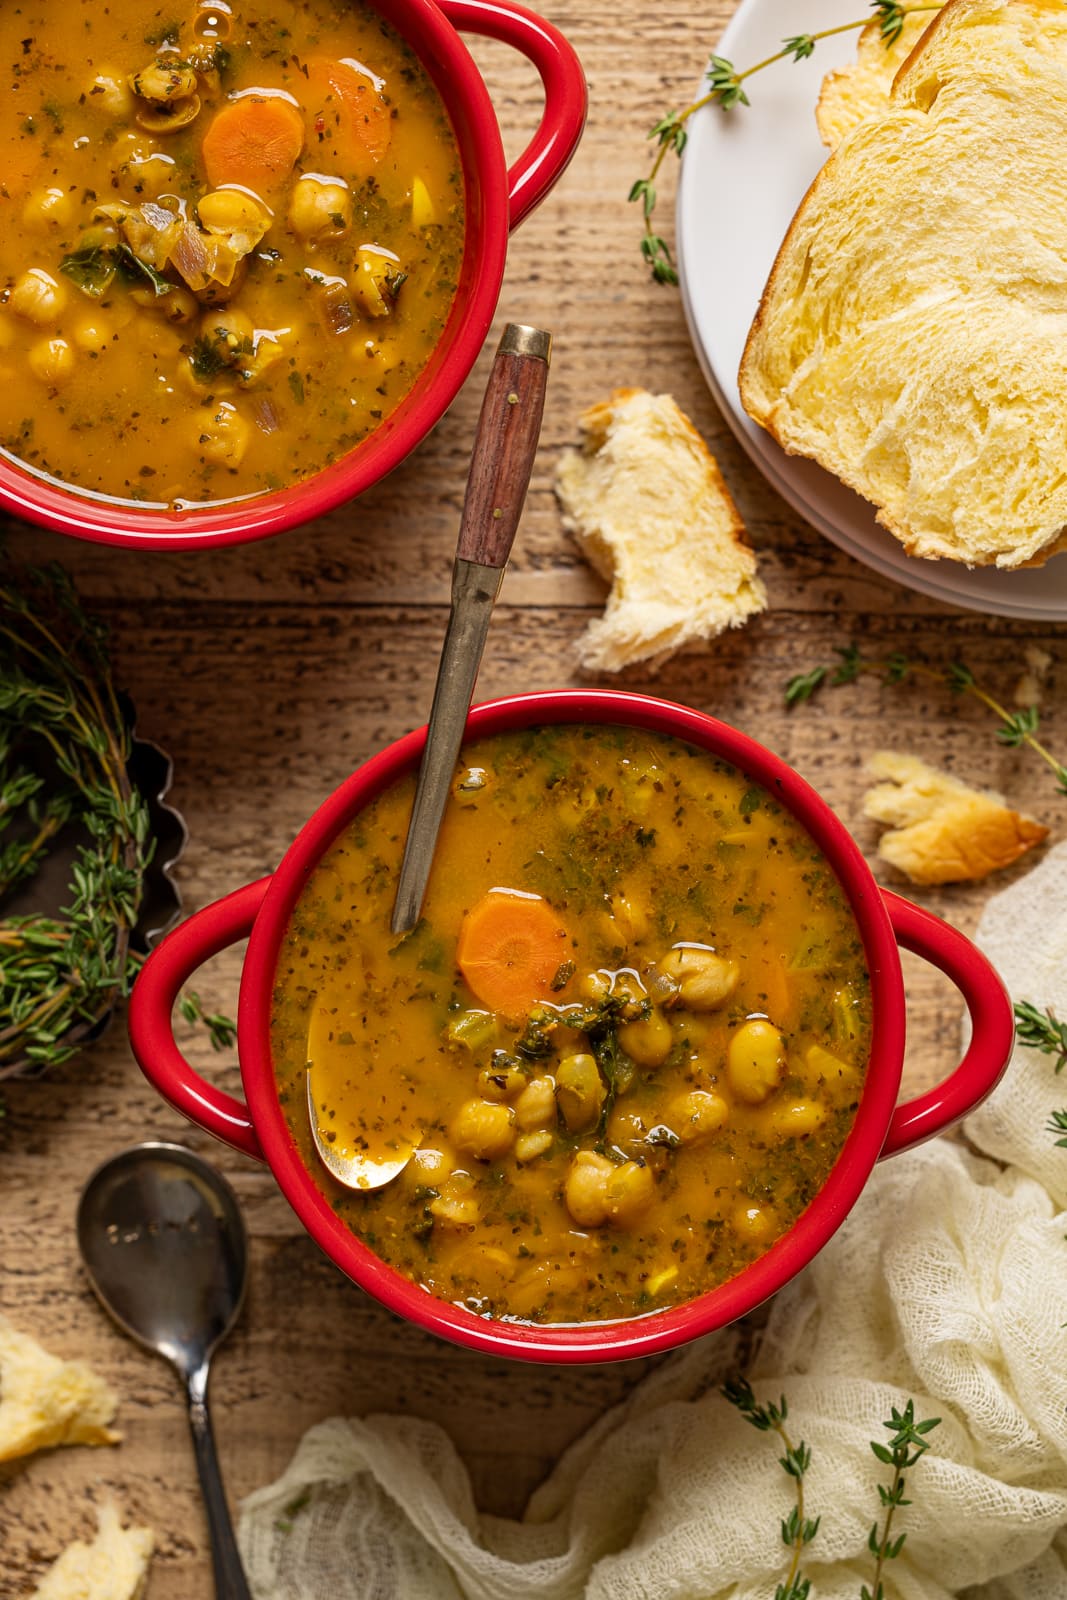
992 1025
545 157
151 1026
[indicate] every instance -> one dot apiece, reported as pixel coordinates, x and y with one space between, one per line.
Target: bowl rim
660 1330
84 514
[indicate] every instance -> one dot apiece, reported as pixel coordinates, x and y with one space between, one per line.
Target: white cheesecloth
947 1284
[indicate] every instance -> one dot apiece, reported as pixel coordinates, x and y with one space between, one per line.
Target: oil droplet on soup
230 238
632 1025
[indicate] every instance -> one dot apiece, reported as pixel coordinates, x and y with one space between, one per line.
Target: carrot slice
254 143
510 949
348 121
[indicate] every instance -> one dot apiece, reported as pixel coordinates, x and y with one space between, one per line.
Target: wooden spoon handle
505 445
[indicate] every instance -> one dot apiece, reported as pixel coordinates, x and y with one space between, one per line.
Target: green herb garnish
1017 728
906 1447
64 747
798 1530
724 87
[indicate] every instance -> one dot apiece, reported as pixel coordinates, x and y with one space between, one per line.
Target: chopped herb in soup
230 237
628 1034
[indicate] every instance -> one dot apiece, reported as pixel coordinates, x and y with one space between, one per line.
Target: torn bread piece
647 503
114 1566
861 90
940 830
45 1401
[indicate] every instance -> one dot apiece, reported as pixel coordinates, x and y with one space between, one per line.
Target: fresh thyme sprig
905 1448
64 747
798 1530
1017 728
1041 1030
725 88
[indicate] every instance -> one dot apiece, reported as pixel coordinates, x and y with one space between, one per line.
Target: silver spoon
166 1251
347 1156
501 463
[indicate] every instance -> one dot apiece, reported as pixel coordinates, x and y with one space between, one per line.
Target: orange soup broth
637 843
113 393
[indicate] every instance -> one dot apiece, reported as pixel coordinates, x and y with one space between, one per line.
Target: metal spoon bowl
166 1251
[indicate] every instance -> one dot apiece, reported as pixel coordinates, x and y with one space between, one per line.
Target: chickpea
797 1120
233 211
528 1146
110 90
52 360
597 1191
697 1115
429 1165
703 979
320 209
92 333
755 1061
627 1128
376 278
456 1205
167 79
648 1042
586 1189
38 297
179 306
222 436
47 208
484 1129
536 1105
579 1091
501 1083
231 331
595 987
755 1224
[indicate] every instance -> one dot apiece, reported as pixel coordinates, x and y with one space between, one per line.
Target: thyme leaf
1041 1030
65 744
1017 730
904 1449
798 1529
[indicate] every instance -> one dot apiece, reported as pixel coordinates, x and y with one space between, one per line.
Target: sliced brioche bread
861 90
646 502
913 335
941 830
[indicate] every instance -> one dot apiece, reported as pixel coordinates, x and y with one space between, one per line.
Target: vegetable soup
230 237
628 1035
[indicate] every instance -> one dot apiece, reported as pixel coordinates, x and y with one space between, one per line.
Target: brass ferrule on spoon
501 463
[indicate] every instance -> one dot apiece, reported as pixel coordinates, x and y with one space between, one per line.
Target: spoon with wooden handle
501 463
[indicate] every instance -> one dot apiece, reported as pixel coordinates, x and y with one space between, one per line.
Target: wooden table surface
269 671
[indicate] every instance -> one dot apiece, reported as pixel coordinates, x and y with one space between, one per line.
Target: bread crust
939 829
649 507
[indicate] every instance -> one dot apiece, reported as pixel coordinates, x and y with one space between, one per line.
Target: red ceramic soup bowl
882 1127
497 198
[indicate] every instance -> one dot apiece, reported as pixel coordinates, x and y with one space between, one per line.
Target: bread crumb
1029 688
647 504
940 830
45 1401
114 1566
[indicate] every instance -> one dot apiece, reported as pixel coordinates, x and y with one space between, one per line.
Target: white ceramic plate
743 175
